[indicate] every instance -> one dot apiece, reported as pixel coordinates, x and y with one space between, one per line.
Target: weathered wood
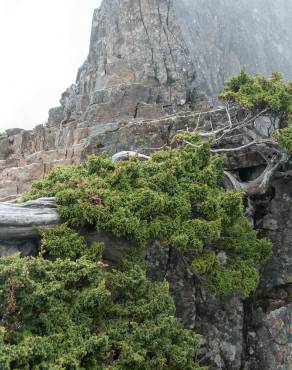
125 155
18 224
41 212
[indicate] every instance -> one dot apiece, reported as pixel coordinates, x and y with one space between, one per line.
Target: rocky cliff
225 35
148 59
138 68
151 64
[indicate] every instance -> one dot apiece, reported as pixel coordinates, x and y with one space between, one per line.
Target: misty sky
43 43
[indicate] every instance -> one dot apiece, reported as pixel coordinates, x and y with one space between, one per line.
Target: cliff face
222 36
138 68
167 51
150 63
138 63
148 59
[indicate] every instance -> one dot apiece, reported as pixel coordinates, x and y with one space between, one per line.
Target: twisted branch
258 145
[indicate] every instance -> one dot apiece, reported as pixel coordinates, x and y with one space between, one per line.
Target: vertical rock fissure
247 313
149 40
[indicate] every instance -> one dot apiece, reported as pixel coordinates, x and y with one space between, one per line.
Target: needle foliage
260 92
272 93
175 198
66 310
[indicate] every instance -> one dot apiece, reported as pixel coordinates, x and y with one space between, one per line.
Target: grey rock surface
269 311
137 58
223 36
220 320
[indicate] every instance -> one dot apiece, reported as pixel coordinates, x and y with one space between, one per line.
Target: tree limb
242 147
125 155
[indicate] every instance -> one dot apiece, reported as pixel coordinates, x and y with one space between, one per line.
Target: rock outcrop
151 66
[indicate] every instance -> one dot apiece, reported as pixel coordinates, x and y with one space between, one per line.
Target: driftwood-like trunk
18 224
39 212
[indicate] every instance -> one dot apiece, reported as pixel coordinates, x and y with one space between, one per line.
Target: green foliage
67 313
3 135
66 310
284 138
241 274
260 92
62 242
175 198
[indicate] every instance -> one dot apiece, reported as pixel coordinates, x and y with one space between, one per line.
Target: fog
43 43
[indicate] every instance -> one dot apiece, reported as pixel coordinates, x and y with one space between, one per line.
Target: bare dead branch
228 116
267 148
155 149
261 183
242 147
125 155
235 184
245 123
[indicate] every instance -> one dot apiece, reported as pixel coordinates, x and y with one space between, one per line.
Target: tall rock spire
149 57
137 56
